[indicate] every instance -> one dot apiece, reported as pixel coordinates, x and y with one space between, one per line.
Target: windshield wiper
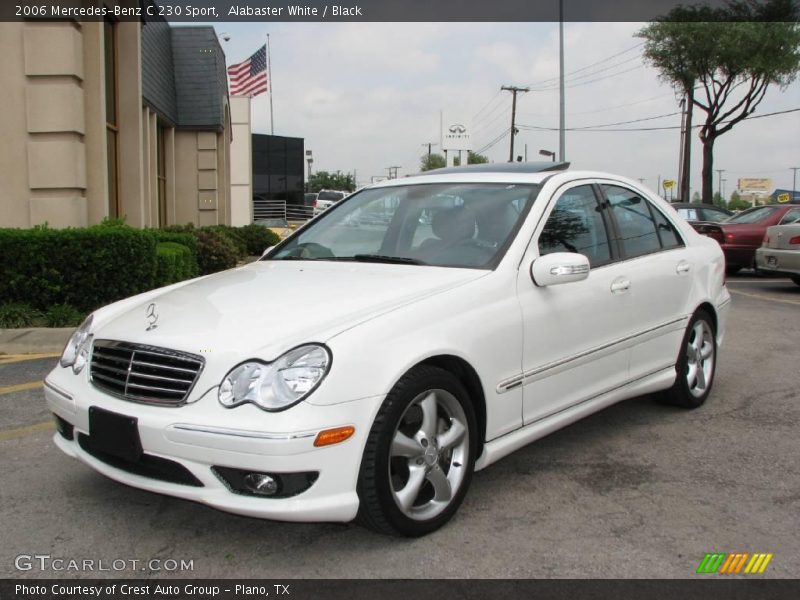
380 258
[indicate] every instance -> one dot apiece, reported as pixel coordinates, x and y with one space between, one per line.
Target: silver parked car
780 251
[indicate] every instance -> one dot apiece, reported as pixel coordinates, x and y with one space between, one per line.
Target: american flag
249 78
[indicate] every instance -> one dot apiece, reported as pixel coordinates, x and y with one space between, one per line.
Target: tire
420 455
796 279
695 377
733 269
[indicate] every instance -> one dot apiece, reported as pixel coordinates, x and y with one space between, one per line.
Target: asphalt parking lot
638 490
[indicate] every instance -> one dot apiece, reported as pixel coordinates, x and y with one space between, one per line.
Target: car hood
268 307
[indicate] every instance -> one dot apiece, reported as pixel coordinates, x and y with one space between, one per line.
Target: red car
742 234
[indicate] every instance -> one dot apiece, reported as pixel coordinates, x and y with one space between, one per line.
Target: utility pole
513 89
430 145
562 151
719 183
794 182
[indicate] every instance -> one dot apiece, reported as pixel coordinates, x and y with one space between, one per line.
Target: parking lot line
19 432
21 387
7 359
762 297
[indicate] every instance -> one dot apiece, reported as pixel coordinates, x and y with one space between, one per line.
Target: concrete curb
34 340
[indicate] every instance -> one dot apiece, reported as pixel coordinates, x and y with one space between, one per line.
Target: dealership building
115 119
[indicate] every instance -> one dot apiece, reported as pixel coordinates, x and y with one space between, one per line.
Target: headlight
76 352
277 385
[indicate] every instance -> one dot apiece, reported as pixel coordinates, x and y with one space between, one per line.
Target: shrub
85 268
63 315
215 251
174 262
258 238
184 239
233 235
16 314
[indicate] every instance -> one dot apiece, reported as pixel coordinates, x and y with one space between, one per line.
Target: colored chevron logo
732 564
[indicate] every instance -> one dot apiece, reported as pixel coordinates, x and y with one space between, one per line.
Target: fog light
261 484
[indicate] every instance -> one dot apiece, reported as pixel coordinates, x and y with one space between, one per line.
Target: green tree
724 59
696 197
431 161
738 203
437 161
473 158
323 180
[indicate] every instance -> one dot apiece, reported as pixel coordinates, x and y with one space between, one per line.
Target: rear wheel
420 455
696 364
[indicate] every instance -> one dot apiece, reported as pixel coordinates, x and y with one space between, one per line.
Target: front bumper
203 435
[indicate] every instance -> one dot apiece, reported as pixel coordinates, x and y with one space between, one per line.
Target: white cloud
367 96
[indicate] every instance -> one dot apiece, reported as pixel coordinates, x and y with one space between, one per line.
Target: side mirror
559 267
264 253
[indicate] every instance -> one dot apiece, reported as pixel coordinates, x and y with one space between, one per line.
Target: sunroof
517 167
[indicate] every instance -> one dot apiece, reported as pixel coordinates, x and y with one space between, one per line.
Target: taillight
795 241
315 204
765 240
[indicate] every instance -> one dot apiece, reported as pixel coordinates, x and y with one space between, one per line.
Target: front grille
141 373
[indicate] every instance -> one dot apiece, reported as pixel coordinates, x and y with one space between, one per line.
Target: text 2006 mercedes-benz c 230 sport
419 330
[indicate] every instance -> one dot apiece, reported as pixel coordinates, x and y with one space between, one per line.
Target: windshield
450 225
752 215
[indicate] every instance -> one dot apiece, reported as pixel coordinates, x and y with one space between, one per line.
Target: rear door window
636 224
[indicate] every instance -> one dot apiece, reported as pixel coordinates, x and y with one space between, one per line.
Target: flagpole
269 84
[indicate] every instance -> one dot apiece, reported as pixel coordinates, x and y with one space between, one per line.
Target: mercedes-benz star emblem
152 316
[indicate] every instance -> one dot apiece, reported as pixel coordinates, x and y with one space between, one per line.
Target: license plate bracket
115 434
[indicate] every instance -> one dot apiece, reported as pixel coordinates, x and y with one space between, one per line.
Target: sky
366 96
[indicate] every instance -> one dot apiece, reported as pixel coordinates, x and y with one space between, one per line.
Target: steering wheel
310 250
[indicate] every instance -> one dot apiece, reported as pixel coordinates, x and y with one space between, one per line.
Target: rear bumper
738 256
778 262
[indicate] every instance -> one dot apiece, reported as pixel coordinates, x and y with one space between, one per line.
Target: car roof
502 173
518 167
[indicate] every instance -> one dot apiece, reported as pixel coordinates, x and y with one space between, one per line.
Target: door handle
683 267
620 285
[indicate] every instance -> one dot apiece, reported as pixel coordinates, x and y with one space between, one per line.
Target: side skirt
505 445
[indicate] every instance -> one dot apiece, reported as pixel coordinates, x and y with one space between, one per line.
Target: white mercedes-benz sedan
418 331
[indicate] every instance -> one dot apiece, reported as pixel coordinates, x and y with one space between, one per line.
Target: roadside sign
783 198
668 184
754 184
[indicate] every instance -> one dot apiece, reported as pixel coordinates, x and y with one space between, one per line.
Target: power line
599 62
492 143
485 106
603 78
485 123
589 129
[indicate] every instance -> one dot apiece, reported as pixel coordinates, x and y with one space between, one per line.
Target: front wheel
696 364
419 456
